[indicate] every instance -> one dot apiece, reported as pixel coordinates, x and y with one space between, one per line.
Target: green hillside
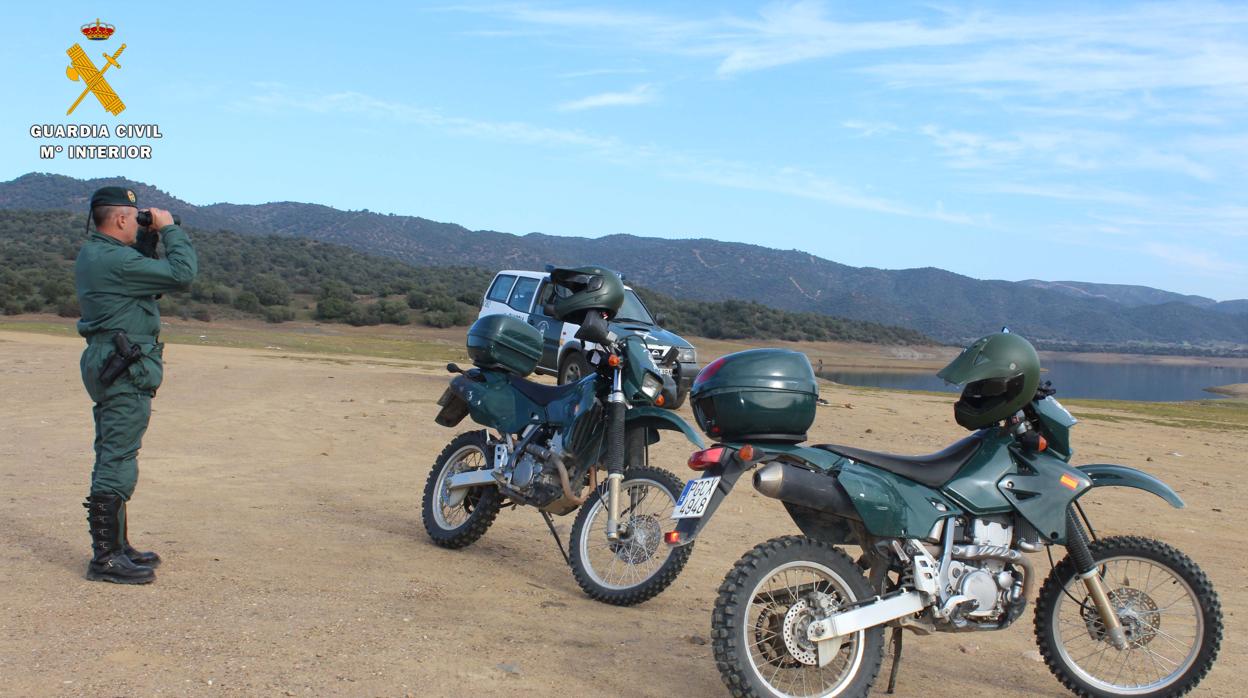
281 278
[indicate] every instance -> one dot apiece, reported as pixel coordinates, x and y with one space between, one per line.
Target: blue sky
1097 142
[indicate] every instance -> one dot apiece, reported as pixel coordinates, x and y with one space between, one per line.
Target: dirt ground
283 493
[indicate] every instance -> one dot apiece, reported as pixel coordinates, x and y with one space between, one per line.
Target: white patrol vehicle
524 294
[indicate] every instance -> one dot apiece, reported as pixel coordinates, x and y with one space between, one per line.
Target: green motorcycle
945 539
549 442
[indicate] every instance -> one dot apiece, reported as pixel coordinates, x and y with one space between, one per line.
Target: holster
120 360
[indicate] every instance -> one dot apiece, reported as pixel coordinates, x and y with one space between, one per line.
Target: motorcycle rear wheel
463 524
640 565
1170 614
758 628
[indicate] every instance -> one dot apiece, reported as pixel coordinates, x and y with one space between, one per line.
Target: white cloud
276 98
595 72
1141 48
1200 260
866 129
641 94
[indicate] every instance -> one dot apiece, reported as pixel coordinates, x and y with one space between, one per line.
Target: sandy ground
283 492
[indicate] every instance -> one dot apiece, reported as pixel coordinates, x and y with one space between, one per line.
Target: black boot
110 564
147 559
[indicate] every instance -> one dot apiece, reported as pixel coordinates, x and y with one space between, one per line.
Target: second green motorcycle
544 445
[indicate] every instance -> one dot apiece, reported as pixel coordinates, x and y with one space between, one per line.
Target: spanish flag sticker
1070 482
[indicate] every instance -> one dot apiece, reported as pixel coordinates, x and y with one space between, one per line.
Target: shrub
247 302
278 313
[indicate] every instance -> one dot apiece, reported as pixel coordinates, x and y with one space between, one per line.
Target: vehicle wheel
573 368
681 395
765 606
640 564
460 524
1168 608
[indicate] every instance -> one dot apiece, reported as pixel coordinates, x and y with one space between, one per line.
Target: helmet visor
991 392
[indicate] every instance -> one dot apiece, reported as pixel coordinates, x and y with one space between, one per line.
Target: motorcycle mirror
594 329
660 319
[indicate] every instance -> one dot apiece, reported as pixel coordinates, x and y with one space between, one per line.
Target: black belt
107 336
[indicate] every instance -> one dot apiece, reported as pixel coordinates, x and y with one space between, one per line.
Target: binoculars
145 219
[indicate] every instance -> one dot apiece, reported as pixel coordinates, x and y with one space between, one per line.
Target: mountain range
941 304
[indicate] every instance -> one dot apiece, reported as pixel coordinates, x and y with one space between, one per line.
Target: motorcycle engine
988 582
534 479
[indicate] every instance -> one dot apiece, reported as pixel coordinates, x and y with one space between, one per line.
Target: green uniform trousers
120 422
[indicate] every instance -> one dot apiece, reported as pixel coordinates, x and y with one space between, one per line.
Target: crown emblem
98 31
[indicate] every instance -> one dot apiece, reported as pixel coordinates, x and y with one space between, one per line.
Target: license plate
665 371
695 498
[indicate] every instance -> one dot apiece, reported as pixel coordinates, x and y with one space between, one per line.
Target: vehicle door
520 304
496 298
550 328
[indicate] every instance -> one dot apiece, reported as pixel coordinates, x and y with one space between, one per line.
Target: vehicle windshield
633 309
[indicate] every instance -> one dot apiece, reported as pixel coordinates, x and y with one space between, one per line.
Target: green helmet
1000 372
583 289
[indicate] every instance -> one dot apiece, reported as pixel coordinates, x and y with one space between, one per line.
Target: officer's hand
161 218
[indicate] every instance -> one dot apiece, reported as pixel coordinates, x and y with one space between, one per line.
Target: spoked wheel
765 606
1169 612
640 564
452 520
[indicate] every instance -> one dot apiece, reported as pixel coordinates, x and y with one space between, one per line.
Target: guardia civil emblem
82 68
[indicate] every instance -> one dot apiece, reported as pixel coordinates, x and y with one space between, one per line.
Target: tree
269 289
333 309
247 302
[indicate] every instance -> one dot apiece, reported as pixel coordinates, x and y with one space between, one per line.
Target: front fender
659 418
1108 475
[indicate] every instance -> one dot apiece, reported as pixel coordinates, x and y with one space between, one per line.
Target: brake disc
1137 611
796 621
642 540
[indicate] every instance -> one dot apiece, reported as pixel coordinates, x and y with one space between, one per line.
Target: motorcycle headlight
687 356
651 386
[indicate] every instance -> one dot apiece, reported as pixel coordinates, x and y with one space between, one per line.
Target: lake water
1078 379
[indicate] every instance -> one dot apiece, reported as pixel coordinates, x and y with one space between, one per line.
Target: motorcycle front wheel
640 564
452 522
1169 612
764 609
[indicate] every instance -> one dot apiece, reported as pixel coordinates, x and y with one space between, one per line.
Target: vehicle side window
500 289
544 295
522 295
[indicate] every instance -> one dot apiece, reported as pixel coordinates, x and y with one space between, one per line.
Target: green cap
113 196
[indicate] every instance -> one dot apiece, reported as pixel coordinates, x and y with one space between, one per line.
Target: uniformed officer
117 291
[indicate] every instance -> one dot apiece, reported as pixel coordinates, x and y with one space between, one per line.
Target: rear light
708 372
701 460
672 537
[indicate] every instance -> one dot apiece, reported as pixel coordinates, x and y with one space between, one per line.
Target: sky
1102 142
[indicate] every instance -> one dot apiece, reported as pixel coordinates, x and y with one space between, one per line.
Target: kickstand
892 674
551 525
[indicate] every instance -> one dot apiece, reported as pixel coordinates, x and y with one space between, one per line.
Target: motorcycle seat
539 393
933 470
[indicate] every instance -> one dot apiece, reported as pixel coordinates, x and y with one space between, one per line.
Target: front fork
1085 566
615 453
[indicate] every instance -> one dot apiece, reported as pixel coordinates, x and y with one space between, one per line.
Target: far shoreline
846 356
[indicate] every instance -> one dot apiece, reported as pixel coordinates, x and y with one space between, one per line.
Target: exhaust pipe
806 488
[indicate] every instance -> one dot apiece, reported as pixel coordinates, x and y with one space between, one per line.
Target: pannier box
756 395
503 342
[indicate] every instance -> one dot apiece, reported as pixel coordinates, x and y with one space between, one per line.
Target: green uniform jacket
117 288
